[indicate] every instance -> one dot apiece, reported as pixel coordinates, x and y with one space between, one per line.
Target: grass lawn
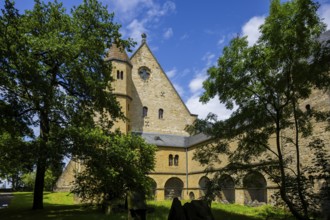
61 206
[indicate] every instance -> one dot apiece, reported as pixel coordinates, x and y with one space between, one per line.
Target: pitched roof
144 43
118 54
168 140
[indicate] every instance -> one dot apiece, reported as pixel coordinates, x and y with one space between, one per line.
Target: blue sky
187 37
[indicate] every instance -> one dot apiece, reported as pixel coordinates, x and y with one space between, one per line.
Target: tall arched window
121 75
176 160
170 160
144 111
160 113
118 74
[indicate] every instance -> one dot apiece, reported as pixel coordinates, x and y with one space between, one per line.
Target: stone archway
203 182
173 188
255 188
227 185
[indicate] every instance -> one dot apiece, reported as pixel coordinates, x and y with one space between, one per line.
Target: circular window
144 73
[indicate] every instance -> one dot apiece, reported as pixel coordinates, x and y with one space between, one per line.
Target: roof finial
144 37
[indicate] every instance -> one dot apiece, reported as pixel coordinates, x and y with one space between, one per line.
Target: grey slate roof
167 140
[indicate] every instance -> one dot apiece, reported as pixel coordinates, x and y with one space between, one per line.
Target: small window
118 74
121 75
170 160
160 113
176 160
144 112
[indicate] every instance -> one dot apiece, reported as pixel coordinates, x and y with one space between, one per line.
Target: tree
52 72
114 165
16 154
266 83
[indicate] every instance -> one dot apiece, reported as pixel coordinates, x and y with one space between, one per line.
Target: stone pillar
160 194
239 196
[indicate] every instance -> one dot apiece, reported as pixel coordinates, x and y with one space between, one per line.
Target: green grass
61 206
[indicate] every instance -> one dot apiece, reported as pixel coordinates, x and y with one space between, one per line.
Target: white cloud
183 37
251 29
202 110
196 85
139 16
128 10
209 58
179 89
324 12
171 73
221 41
136 28
168 33
159 11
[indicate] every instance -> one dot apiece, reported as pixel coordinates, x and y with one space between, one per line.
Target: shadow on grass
57 208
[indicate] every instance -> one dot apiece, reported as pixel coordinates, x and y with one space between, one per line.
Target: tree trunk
299 182
39 185
42 159
283 186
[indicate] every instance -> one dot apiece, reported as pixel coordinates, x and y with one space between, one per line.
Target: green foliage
114 165
265 83
53 75
28 180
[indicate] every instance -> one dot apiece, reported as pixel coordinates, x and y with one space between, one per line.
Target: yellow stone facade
157 113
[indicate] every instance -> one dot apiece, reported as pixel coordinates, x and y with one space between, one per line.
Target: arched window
170 160
160 113
118 74
144 111
176 160
121 75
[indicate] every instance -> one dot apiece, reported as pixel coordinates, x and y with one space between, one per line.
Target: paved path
5 199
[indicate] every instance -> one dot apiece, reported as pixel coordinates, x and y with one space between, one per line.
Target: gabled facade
157 113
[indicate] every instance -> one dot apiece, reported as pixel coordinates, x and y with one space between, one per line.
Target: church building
157 113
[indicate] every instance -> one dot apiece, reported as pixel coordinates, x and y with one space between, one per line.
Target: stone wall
156 93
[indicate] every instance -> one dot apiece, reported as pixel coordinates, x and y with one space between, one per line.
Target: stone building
157 113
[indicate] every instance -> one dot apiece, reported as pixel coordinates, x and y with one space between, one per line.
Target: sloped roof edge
144 43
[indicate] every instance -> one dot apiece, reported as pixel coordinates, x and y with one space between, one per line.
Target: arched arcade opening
227 192
203 182
255 188
173 188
